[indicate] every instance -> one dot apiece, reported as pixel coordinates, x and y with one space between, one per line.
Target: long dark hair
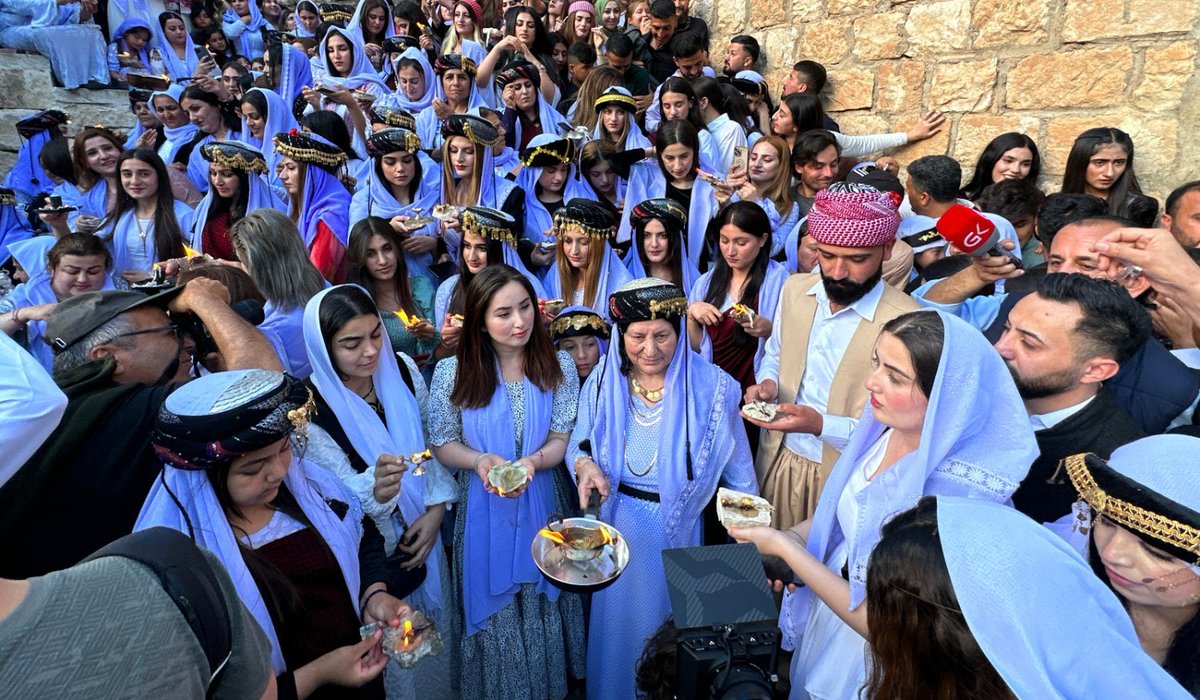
923 335
235 206
806 110
683 87
749 217
55 159
476 380
991 155
1183 657
543 50
367 6
495 256
1087 145
356 254
228 117
674 250
411 11
256 100
678 132
340 306
168 236
329 125
921 646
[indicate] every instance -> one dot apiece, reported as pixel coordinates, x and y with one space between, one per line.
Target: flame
551 535
409 321
607 536
190 252
407 637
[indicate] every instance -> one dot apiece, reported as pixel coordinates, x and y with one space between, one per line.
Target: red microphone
973 233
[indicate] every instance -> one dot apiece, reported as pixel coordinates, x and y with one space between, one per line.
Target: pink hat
582 6
852 217
475 8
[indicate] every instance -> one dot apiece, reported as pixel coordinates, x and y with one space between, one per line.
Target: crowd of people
267 350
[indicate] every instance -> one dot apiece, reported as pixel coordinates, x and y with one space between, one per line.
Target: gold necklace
648 394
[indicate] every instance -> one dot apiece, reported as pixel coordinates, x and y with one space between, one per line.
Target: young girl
677 100
768 183
238 187
599 170
397 188
368 421
222 50
306 562
346 64
581 17
372 22
675 178
549 180
1101 164
489 238
213 122
147 224
586 270
175 47
264 115
801 111
527 113
743 275
320 199
94 156
469 177
727 134
467 21
130 50
308 17
376 258
1011 156
507 395
658 226
582 334
243 24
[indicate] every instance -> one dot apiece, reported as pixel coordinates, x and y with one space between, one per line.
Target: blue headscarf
176 137
646 181
362 75
356 20
279 120
326 200
295 74
27 178
431 82
12 229
316 10
258 196
687 479
131 23
537 218
976 441
31 254
249 41
178 67
374 198
1049 627
401 435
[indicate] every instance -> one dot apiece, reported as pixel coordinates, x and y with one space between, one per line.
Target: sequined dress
533 639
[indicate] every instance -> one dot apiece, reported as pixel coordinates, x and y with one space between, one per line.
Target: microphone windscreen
968 230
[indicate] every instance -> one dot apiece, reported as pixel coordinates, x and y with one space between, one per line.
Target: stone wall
1048 68
25 88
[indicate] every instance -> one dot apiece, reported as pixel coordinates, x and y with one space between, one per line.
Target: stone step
26 87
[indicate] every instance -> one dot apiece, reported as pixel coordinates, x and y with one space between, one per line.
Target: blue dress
76 49
529 647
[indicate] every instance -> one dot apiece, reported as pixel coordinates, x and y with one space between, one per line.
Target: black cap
78 316
36 123
399 43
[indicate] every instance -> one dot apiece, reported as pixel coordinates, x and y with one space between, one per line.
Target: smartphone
741 160
203 54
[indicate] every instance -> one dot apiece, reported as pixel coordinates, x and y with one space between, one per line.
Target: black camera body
729 661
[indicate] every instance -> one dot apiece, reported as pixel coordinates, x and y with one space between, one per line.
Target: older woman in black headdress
657 433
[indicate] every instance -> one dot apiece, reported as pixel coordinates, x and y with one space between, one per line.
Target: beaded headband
490 224
299 147
568 322
617 99
391 140
1083 470
555 152
234 156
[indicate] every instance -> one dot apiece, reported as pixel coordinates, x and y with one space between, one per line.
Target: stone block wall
25 88
1048 68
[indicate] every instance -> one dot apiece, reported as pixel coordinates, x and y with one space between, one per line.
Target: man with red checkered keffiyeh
828 321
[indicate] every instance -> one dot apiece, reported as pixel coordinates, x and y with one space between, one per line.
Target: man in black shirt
654 51
690 25
118 355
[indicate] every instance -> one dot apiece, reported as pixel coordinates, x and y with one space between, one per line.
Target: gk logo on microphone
975 238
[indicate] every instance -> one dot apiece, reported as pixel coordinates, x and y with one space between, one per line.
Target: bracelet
16 316
479 459
369 596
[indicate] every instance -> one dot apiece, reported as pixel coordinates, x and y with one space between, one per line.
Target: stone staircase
25 88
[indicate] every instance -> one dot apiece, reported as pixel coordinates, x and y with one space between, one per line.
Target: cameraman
118 355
